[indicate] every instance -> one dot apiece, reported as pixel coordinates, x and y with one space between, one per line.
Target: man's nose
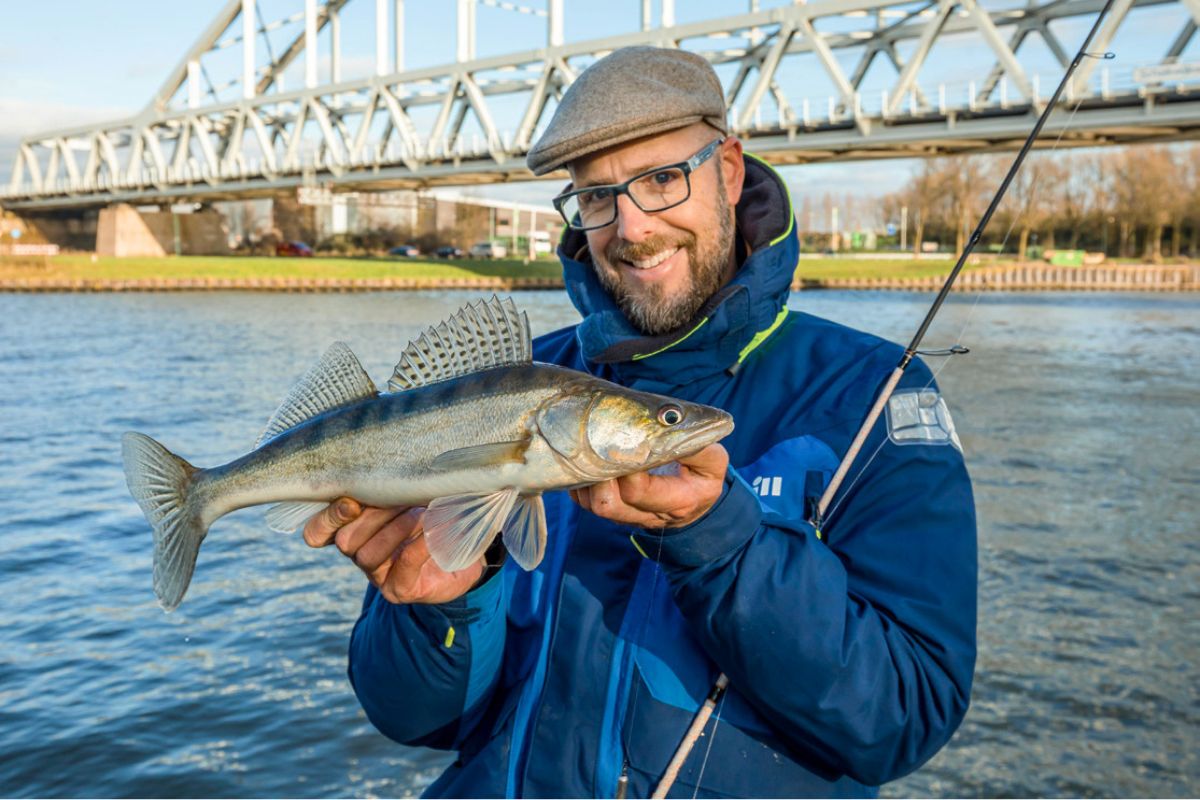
633 224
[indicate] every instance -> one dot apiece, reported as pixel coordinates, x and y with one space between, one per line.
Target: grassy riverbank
84 273
243 268
76 267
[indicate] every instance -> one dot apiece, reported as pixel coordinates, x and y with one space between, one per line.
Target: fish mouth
722 426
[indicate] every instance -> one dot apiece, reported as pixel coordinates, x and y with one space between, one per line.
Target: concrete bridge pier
121 230
125 231
70 230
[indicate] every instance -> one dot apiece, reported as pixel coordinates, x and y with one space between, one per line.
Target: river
1078 414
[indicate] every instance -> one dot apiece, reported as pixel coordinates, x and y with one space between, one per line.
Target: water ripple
1080 424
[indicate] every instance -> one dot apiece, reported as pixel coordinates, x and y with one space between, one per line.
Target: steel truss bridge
207 135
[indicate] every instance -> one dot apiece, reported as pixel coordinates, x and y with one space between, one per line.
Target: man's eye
599 195
664 178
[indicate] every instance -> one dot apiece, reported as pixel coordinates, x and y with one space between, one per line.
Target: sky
68 62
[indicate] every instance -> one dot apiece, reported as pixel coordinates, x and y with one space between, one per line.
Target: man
849 650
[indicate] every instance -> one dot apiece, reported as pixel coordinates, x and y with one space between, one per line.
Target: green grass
82 267
849 268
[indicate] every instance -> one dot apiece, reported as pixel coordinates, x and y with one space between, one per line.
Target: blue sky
66 62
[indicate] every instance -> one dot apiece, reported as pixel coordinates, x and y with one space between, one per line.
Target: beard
648 307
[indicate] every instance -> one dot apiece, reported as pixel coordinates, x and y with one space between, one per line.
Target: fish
470 427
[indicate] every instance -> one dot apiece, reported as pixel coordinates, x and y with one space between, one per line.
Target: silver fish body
477 446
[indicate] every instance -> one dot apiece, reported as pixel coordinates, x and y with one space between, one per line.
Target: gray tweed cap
630 93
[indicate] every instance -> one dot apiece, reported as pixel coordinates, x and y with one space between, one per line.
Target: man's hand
660 501
389 546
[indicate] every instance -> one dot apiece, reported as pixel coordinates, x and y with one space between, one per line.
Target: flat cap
630 93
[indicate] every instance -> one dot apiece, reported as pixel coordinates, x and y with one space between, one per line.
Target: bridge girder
442 126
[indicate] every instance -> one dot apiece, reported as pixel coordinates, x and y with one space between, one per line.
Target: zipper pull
623 781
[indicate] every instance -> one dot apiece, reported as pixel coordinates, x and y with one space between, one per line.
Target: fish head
611 431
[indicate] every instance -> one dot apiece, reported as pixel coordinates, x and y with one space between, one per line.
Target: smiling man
848 642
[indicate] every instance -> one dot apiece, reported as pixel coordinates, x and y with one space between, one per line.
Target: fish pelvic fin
161 482
460 528
525 531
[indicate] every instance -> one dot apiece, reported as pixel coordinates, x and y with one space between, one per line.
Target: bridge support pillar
70 230
124 231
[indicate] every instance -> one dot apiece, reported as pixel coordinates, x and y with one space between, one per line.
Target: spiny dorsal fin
336 380
480 336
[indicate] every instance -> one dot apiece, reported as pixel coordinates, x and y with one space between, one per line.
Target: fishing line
708 750
623 778
957 348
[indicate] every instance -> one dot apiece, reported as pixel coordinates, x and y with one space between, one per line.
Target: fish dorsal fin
336 380
480 336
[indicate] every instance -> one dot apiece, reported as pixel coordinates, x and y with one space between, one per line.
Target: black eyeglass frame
687 167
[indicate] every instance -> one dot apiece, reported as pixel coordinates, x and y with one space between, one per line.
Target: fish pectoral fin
481 455
525 531
286 517
458 529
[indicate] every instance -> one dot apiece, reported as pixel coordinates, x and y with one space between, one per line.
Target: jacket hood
714 339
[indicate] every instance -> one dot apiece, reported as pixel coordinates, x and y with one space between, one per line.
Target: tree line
1134 202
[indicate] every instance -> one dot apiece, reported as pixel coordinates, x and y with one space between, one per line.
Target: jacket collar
714 339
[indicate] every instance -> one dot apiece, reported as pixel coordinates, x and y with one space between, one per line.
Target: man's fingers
322 528
582 497
382 547
711 462
353 535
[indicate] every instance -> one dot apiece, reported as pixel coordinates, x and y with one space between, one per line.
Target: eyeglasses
653 190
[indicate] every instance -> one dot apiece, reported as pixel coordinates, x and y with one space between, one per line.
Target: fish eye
670 414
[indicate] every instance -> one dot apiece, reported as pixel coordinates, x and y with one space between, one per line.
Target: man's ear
733 168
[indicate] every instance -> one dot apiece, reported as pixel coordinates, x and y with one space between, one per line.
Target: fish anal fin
525 531
286 517
481 455
458 529
337 380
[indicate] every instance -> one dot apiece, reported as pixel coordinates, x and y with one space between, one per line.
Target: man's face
661 267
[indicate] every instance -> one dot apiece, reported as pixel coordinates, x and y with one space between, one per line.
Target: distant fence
1034 277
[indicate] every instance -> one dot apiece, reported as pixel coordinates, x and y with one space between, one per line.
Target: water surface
1078 414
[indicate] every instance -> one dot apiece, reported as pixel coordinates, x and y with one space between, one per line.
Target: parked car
295 249
488 250
449 252
407 250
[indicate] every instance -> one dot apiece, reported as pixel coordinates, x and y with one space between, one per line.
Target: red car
295 249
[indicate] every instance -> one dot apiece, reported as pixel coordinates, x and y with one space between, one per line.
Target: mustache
621 250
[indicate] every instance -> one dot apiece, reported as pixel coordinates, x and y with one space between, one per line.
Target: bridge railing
942 100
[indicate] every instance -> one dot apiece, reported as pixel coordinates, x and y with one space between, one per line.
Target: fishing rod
695 730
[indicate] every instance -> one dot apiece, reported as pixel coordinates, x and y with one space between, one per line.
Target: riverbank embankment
83 273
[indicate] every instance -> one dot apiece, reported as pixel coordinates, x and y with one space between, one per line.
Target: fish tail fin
162 484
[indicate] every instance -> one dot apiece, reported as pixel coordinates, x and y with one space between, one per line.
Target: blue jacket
849 653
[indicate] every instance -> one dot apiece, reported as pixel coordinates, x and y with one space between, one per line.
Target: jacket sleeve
858 647
424 673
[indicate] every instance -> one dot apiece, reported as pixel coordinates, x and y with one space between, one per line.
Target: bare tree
921 196
1024 208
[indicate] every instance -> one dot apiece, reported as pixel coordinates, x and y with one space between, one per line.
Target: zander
470 427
